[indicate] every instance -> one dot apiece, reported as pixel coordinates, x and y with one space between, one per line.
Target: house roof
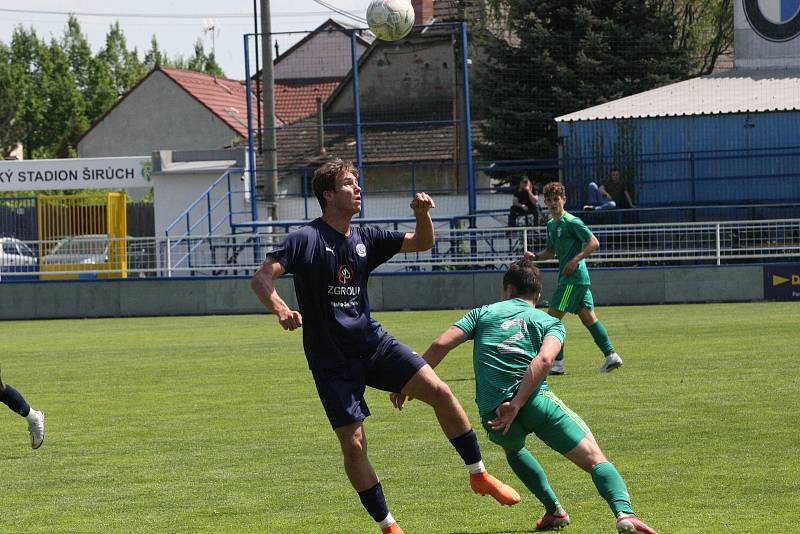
227 99
730 91
296 99
298 147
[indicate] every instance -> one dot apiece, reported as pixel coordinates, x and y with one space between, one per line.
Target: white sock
387 521
30 416
476 468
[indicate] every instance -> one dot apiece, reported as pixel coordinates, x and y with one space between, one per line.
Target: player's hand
398 400
570 267
290 319
422 203
506 413
529 255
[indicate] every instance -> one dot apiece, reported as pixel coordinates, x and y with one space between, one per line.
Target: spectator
525 202
613 194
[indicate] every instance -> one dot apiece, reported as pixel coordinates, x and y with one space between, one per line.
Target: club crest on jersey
558 231
774 20
344 274
361 250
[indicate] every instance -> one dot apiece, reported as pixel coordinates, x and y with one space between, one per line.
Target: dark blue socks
374 501
467 447
14 400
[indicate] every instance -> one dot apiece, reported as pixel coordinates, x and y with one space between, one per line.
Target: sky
177 24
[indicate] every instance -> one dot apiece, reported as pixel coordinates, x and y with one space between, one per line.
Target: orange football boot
485 484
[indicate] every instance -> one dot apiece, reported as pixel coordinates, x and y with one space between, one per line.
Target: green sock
533 476
612 488
600 336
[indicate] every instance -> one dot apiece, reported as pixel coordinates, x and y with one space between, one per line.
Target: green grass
212 424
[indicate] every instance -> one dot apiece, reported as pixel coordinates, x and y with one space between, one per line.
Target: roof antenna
212 26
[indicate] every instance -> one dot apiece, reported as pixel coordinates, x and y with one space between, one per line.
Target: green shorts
571 298
548 417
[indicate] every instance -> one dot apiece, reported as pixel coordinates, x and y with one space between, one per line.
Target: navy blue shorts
341 389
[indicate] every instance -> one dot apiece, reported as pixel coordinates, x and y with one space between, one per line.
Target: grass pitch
212 424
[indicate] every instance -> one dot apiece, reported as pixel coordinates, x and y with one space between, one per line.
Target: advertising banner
88 173
782 282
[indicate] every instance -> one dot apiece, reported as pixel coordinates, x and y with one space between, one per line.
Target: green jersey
567 236
507 336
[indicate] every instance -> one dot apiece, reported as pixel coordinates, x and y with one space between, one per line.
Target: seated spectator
525 202
613 194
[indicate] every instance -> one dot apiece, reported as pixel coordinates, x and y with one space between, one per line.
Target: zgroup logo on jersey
774 20
344 274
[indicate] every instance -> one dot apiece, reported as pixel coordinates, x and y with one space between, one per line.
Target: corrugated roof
225 98
731 91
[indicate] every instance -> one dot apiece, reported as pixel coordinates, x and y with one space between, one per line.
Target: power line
282 14
349 15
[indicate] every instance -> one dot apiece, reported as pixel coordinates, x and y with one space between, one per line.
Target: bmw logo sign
774 20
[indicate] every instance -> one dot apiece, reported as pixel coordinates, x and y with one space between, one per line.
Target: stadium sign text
90 173
774 20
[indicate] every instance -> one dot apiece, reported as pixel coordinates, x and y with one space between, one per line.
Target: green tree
202 62
559 56
124 67
65 105
28 57
11 131
702 28
77 48
154 57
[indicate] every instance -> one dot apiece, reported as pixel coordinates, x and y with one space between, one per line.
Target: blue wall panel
734 158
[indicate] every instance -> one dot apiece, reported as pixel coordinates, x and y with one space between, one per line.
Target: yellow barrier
83 236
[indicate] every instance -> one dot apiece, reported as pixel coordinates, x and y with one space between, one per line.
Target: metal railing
711 243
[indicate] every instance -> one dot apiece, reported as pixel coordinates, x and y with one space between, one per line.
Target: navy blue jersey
330 280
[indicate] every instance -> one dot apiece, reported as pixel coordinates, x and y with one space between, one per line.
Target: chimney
423 11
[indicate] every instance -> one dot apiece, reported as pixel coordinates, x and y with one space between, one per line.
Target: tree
703 29
27 57
560 56
154 57
201 62
65 107
11 131
124 67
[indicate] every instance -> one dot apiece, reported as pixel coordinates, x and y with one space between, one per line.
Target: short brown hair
523 275
554 189
325 178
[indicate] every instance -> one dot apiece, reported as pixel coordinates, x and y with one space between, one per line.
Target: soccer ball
390 20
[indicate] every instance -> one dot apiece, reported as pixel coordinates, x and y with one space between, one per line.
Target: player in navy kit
17 404
346 349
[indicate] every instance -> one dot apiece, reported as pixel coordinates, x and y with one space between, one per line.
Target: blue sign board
782 282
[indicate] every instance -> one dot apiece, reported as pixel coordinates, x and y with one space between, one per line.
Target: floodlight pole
357 115
468 125
268 77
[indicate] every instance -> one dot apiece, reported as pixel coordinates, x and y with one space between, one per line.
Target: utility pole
268 79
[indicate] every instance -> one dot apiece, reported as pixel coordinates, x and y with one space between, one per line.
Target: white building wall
158 115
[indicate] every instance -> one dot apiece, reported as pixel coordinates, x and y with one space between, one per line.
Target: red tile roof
296 99
225 98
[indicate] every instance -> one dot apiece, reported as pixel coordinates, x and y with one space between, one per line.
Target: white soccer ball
390 20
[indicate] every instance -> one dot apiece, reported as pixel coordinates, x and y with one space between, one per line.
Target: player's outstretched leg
426 386
530 472
16 403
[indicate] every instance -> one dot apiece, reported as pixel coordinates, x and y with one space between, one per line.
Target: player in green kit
571 241
514 347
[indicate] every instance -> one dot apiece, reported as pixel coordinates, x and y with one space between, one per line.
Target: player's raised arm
264 288
423 236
